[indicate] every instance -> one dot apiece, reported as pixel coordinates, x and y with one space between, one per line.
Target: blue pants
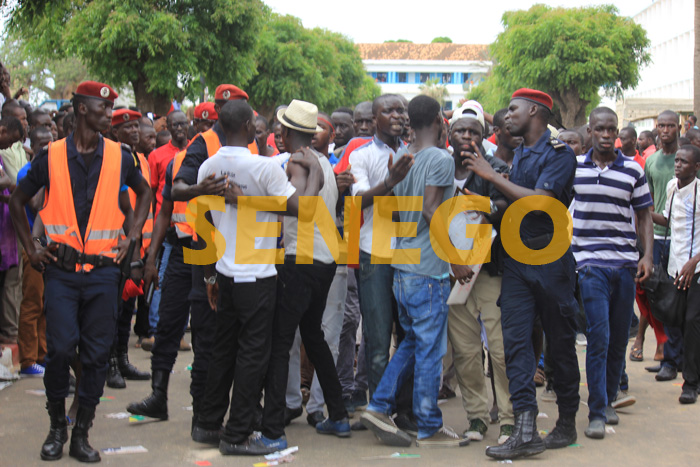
376 305
423 316
81 311
608 298
673 348
155 300
547 290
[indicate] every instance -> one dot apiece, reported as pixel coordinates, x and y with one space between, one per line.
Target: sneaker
255 445
406 421
314 418
623 399
596 429
581 339
32 371
184 346
611 416
385 429
548 395
445 437
358 426
340 428
205 436
476 431
688 396
506 432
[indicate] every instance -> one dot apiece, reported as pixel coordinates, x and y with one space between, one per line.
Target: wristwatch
210 280
136 264
494 208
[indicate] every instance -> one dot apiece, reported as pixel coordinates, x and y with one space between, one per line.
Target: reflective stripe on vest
179 218
148 225
106 219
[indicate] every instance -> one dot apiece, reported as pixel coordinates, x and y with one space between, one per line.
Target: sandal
636 354
539 377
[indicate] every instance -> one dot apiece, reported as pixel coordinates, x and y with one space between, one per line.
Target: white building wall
670 29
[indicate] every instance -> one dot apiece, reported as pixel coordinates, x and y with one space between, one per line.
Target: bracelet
210 280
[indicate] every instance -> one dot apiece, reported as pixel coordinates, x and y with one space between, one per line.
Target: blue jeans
673 348
608 298
155 301
376 305
422 302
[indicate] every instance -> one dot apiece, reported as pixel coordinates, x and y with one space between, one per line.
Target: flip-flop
636 355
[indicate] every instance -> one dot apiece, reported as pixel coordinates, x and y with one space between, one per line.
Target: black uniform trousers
547 290
174 309
81 311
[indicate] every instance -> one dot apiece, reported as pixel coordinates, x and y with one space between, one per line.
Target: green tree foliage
55 77
441 40
570 53
433 88
399 40
314 65
163 48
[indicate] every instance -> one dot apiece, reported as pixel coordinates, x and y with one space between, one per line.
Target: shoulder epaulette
556 144
45 148
126 147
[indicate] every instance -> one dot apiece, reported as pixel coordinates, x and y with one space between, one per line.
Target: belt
538 243
69 258
293 259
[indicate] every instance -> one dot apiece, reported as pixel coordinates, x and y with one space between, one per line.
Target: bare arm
646 234
181 191
397 172
159 230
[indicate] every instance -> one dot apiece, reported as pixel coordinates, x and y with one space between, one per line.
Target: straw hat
301 116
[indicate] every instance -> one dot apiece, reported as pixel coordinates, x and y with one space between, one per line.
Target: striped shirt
603 211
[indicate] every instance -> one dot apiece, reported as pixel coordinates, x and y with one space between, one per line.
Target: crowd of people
106 220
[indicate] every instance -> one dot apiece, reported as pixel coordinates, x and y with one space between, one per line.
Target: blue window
402 77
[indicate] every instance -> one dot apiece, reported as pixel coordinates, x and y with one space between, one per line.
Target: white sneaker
581 339
445 437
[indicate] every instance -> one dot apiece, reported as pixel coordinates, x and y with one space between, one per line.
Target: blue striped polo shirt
603 211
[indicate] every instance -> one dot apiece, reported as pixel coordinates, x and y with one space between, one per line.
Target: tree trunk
696 60
150 101
571 106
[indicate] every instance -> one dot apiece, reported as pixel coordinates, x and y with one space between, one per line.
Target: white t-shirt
329 194
369 166
682 224
256 176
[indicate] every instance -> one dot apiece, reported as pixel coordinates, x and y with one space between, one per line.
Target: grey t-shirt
432 167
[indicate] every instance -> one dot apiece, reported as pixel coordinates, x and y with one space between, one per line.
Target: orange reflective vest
106 219
179 217
147 231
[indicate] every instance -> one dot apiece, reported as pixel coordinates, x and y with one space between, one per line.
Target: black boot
79 446
525 441
155 405
127 370
563 434
114 377
52 449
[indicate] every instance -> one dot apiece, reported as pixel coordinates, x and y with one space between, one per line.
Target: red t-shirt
158 162
345 157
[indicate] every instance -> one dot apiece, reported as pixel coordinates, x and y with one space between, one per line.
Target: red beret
533 95
228 92
98 90
124 115
206 111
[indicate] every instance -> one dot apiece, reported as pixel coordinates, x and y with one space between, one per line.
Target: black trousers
241 352
174 310
203 326
81 311
302 290
691 336
141 326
